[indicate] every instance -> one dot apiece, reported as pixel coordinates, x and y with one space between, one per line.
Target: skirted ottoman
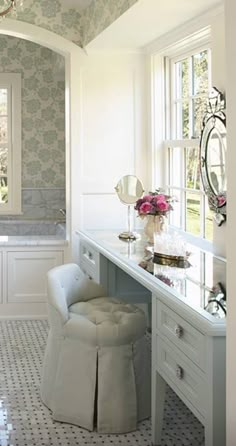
96 368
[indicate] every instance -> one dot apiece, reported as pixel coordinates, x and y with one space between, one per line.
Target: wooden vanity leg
158 403
215 434
215 392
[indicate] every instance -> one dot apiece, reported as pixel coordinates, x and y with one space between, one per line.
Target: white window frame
12 82
161 113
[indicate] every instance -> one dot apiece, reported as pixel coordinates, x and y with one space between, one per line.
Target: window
10 143
187 80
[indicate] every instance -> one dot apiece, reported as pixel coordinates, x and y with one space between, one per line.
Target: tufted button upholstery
96 349
105 321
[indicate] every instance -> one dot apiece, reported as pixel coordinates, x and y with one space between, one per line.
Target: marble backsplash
40 204
19 228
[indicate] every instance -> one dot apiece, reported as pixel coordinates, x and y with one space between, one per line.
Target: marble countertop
179 286
32 240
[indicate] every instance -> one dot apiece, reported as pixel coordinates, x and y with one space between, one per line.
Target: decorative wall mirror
129 188
213 155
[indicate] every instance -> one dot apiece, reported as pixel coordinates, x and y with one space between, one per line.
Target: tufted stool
97 364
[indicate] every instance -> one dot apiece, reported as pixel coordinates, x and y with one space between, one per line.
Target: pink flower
145 208
221 200
160 197
147 198
154 204
163 206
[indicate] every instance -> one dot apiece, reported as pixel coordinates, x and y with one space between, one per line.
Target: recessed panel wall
113 134
27 274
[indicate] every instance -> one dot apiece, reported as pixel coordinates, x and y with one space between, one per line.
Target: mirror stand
128 235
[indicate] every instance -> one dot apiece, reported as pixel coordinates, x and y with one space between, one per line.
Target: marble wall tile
43 203
30 228
40 204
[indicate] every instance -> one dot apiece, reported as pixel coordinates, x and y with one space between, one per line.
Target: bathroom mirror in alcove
129 188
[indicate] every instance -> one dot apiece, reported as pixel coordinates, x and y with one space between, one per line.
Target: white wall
218 51
230 14
114 133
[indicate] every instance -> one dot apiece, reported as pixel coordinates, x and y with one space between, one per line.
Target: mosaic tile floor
24 421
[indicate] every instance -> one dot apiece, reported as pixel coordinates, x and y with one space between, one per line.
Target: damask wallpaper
102 13
73 24
51 15
43 110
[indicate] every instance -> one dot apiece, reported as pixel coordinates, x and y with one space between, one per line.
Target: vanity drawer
182 375
89 261
91 273
182 334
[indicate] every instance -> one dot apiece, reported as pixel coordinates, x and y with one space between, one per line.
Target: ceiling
77 4
149 19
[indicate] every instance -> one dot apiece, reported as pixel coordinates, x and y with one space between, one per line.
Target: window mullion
9 164
183 194
209 69
190 100
173 117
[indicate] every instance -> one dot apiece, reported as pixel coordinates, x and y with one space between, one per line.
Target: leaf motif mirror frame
213 154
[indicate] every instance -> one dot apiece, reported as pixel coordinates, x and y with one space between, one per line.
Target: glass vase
154 224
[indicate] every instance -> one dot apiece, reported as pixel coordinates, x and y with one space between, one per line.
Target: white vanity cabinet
27 272
24 267
191 359
188 343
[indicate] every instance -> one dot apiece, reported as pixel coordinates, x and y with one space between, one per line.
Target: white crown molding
113 51
190 27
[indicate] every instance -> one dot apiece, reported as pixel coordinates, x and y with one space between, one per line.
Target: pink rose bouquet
154 203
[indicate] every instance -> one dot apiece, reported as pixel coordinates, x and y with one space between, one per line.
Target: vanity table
188 343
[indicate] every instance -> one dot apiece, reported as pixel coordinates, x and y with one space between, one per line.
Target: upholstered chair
96 369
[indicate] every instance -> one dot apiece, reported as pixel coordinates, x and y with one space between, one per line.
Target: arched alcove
74 57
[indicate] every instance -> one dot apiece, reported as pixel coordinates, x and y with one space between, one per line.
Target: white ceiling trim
189 28
149 20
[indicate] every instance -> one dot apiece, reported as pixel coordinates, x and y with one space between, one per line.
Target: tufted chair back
67 284
95 362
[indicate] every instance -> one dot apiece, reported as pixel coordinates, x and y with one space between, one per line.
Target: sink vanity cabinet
24 263
188 343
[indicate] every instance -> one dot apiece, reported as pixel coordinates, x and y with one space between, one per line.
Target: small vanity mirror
129 188
213 155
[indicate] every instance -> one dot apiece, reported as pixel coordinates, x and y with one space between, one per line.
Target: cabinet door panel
27 274
184 376
182 334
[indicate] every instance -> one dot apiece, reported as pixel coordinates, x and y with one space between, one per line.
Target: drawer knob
179 331
90 255
179 372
